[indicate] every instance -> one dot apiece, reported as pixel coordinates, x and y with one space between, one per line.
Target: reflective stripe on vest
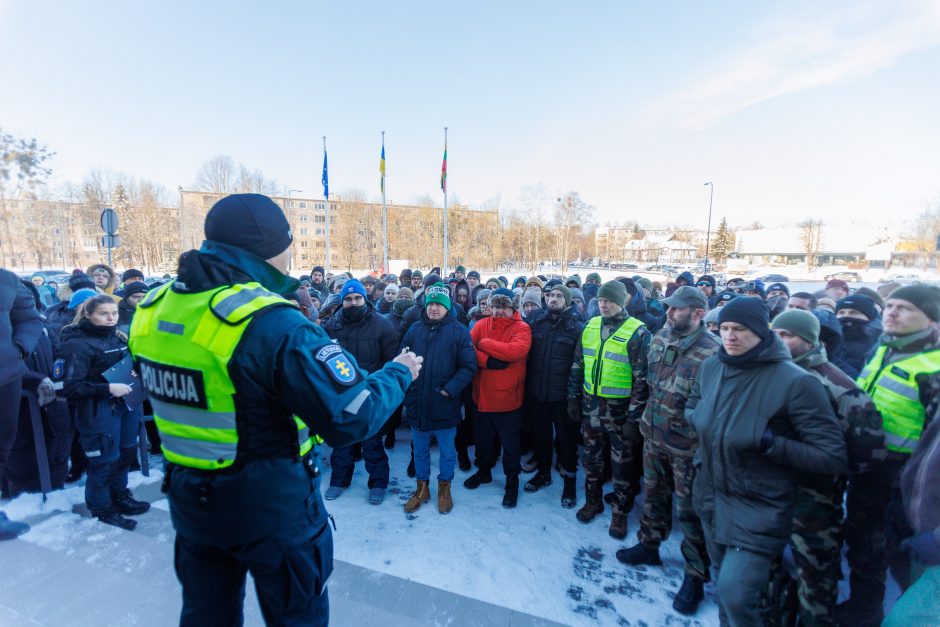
611 376
894 390
183 344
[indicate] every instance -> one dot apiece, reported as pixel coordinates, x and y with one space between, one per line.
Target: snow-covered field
536 558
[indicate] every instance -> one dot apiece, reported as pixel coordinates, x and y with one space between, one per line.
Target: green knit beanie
593 276
800 323
924 297
614 291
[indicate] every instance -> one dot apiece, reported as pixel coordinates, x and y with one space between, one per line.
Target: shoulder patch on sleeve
58 369
336 363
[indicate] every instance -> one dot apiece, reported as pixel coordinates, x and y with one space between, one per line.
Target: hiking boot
444 501
618 526
539 481
689 595
10 529
569 494
376 495
639 554
333 492
109 516
590 509
610 498
463 460
124 503
477 479
421 496
512 492
530 465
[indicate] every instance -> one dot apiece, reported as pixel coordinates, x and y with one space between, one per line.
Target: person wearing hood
555 333
104 277
573 282
861 330
502 343
636 306
373 341
830 332
711 321
607 394
404 278
818 503
708 286
389 296
761 422
520 281
577 302
903 378
592 283
433 402
461 293
685 278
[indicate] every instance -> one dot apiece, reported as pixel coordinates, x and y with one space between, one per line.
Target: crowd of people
783 426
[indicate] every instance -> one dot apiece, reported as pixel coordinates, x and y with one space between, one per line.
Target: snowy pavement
478 565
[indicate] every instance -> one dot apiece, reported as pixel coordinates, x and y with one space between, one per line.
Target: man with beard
373 341
676 354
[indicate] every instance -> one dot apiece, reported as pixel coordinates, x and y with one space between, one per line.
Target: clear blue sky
796 109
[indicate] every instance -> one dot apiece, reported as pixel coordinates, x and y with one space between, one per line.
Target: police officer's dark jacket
450 362
554 339
86 352
372 340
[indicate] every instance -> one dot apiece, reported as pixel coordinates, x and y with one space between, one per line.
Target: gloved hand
574 409
496 364
45 391
924 547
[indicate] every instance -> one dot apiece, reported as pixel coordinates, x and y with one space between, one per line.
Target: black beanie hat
137 287
79 281
924 297
750 311
252 222
860 303
130 274
319 269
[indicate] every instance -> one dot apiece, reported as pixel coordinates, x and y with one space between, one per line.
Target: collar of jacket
912 342
685 342
254 266
615 320
813 358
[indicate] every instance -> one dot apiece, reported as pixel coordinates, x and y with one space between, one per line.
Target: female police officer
239 379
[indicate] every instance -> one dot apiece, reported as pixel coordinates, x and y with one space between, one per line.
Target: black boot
569 494
639 554
531 464
463 459
109 516
539 481
610 498
478 478
390 439
125 503
689 595
512 492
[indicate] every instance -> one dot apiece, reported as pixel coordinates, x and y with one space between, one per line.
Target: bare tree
23 168
811 237
217 175
571 215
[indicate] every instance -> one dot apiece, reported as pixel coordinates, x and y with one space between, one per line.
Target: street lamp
708 233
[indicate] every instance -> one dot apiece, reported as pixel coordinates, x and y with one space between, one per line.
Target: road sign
109 221
111 241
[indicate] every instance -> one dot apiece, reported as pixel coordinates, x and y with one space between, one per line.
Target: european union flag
326 178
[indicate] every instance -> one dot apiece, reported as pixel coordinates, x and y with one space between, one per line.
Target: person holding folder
107 429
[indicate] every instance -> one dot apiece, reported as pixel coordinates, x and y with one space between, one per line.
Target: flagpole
444 266
384 213
326 206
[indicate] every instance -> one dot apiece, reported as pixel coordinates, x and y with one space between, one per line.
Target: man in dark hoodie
685 278
637 306
861 329
761 421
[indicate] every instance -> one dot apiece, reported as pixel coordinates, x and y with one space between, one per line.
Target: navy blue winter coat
450 361
20 326
373 340
858 340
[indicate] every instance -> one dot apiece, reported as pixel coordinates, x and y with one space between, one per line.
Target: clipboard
123 372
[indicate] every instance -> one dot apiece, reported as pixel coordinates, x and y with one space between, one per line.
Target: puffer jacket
497 388
759 423
373 341
554 339
449 365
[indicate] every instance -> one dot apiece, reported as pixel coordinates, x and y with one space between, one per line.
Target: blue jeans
373 454
445 444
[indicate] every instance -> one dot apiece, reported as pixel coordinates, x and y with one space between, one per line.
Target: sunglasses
703 284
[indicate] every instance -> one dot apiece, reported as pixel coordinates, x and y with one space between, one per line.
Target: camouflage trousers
816 541
626 458
665 473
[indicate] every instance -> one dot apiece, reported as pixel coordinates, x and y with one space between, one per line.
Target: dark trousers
109 441
289 569
465 427
551 419
373 454
505 426
9 419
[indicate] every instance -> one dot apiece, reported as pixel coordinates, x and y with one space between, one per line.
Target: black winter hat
252 222
79 281
474 274
431 279
130 274
860 303
137 287
750 311
924 297
778 287
319 269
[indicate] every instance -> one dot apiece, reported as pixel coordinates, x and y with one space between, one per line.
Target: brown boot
444 501
422 495
618 526
594 504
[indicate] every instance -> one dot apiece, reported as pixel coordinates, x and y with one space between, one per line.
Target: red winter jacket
509 340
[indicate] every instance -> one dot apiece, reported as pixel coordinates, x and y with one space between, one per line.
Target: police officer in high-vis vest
607 393
242 387
903 379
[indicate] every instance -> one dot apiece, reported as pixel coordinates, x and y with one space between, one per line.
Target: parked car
774 278
900 278
844 275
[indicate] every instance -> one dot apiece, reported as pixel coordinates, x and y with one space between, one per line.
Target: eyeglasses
703 283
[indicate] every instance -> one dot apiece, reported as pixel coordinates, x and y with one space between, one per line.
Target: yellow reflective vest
182 344
607 369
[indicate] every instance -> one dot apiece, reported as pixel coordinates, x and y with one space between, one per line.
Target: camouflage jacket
857 414
674 362
638 348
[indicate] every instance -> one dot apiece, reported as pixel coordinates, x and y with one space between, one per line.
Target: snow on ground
536 559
